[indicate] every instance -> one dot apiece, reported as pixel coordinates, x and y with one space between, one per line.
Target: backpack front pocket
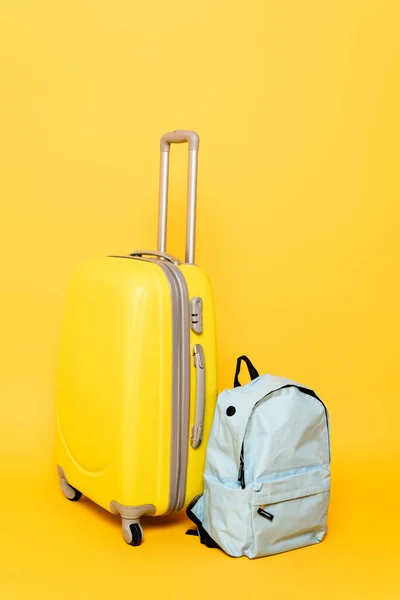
289 511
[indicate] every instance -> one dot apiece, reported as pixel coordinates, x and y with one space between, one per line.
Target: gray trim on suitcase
177 465
132 512
180 380
184 383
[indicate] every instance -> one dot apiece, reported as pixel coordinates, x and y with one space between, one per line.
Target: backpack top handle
252 370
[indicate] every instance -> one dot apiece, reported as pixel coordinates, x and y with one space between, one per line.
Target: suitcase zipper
183 403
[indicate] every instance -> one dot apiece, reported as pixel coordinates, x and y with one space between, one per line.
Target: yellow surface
297 107
114 384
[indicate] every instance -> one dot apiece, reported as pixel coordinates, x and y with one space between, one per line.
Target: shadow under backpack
267 473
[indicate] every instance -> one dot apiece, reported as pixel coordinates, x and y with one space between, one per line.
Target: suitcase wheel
133 532
69 491
77 495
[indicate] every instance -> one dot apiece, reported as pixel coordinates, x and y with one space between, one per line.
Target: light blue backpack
267 474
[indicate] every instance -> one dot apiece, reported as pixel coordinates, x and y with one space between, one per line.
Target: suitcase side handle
197 427
178 137
163 255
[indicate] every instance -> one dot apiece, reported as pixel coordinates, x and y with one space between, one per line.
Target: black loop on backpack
205 538
252 370
192 532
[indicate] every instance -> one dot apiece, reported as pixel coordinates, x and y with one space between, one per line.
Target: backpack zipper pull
265 514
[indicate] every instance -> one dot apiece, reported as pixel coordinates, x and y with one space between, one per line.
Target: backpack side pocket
195 513
226 516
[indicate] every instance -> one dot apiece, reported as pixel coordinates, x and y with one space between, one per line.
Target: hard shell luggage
137 374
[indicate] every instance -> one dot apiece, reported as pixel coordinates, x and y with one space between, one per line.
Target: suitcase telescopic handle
178 137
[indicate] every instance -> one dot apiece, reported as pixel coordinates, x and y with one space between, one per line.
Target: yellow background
297 106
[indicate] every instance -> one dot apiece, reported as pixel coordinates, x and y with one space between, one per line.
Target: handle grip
178 137
197 428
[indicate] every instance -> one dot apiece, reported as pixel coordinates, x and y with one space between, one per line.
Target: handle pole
163 208
178 137
191 207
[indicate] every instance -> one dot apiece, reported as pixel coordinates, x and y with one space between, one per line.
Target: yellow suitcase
137 374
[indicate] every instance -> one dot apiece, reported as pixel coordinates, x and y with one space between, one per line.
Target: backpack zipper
241 469
306 391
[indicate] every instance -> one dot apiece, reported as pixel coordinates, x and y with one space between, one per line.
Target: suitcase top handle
178 137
